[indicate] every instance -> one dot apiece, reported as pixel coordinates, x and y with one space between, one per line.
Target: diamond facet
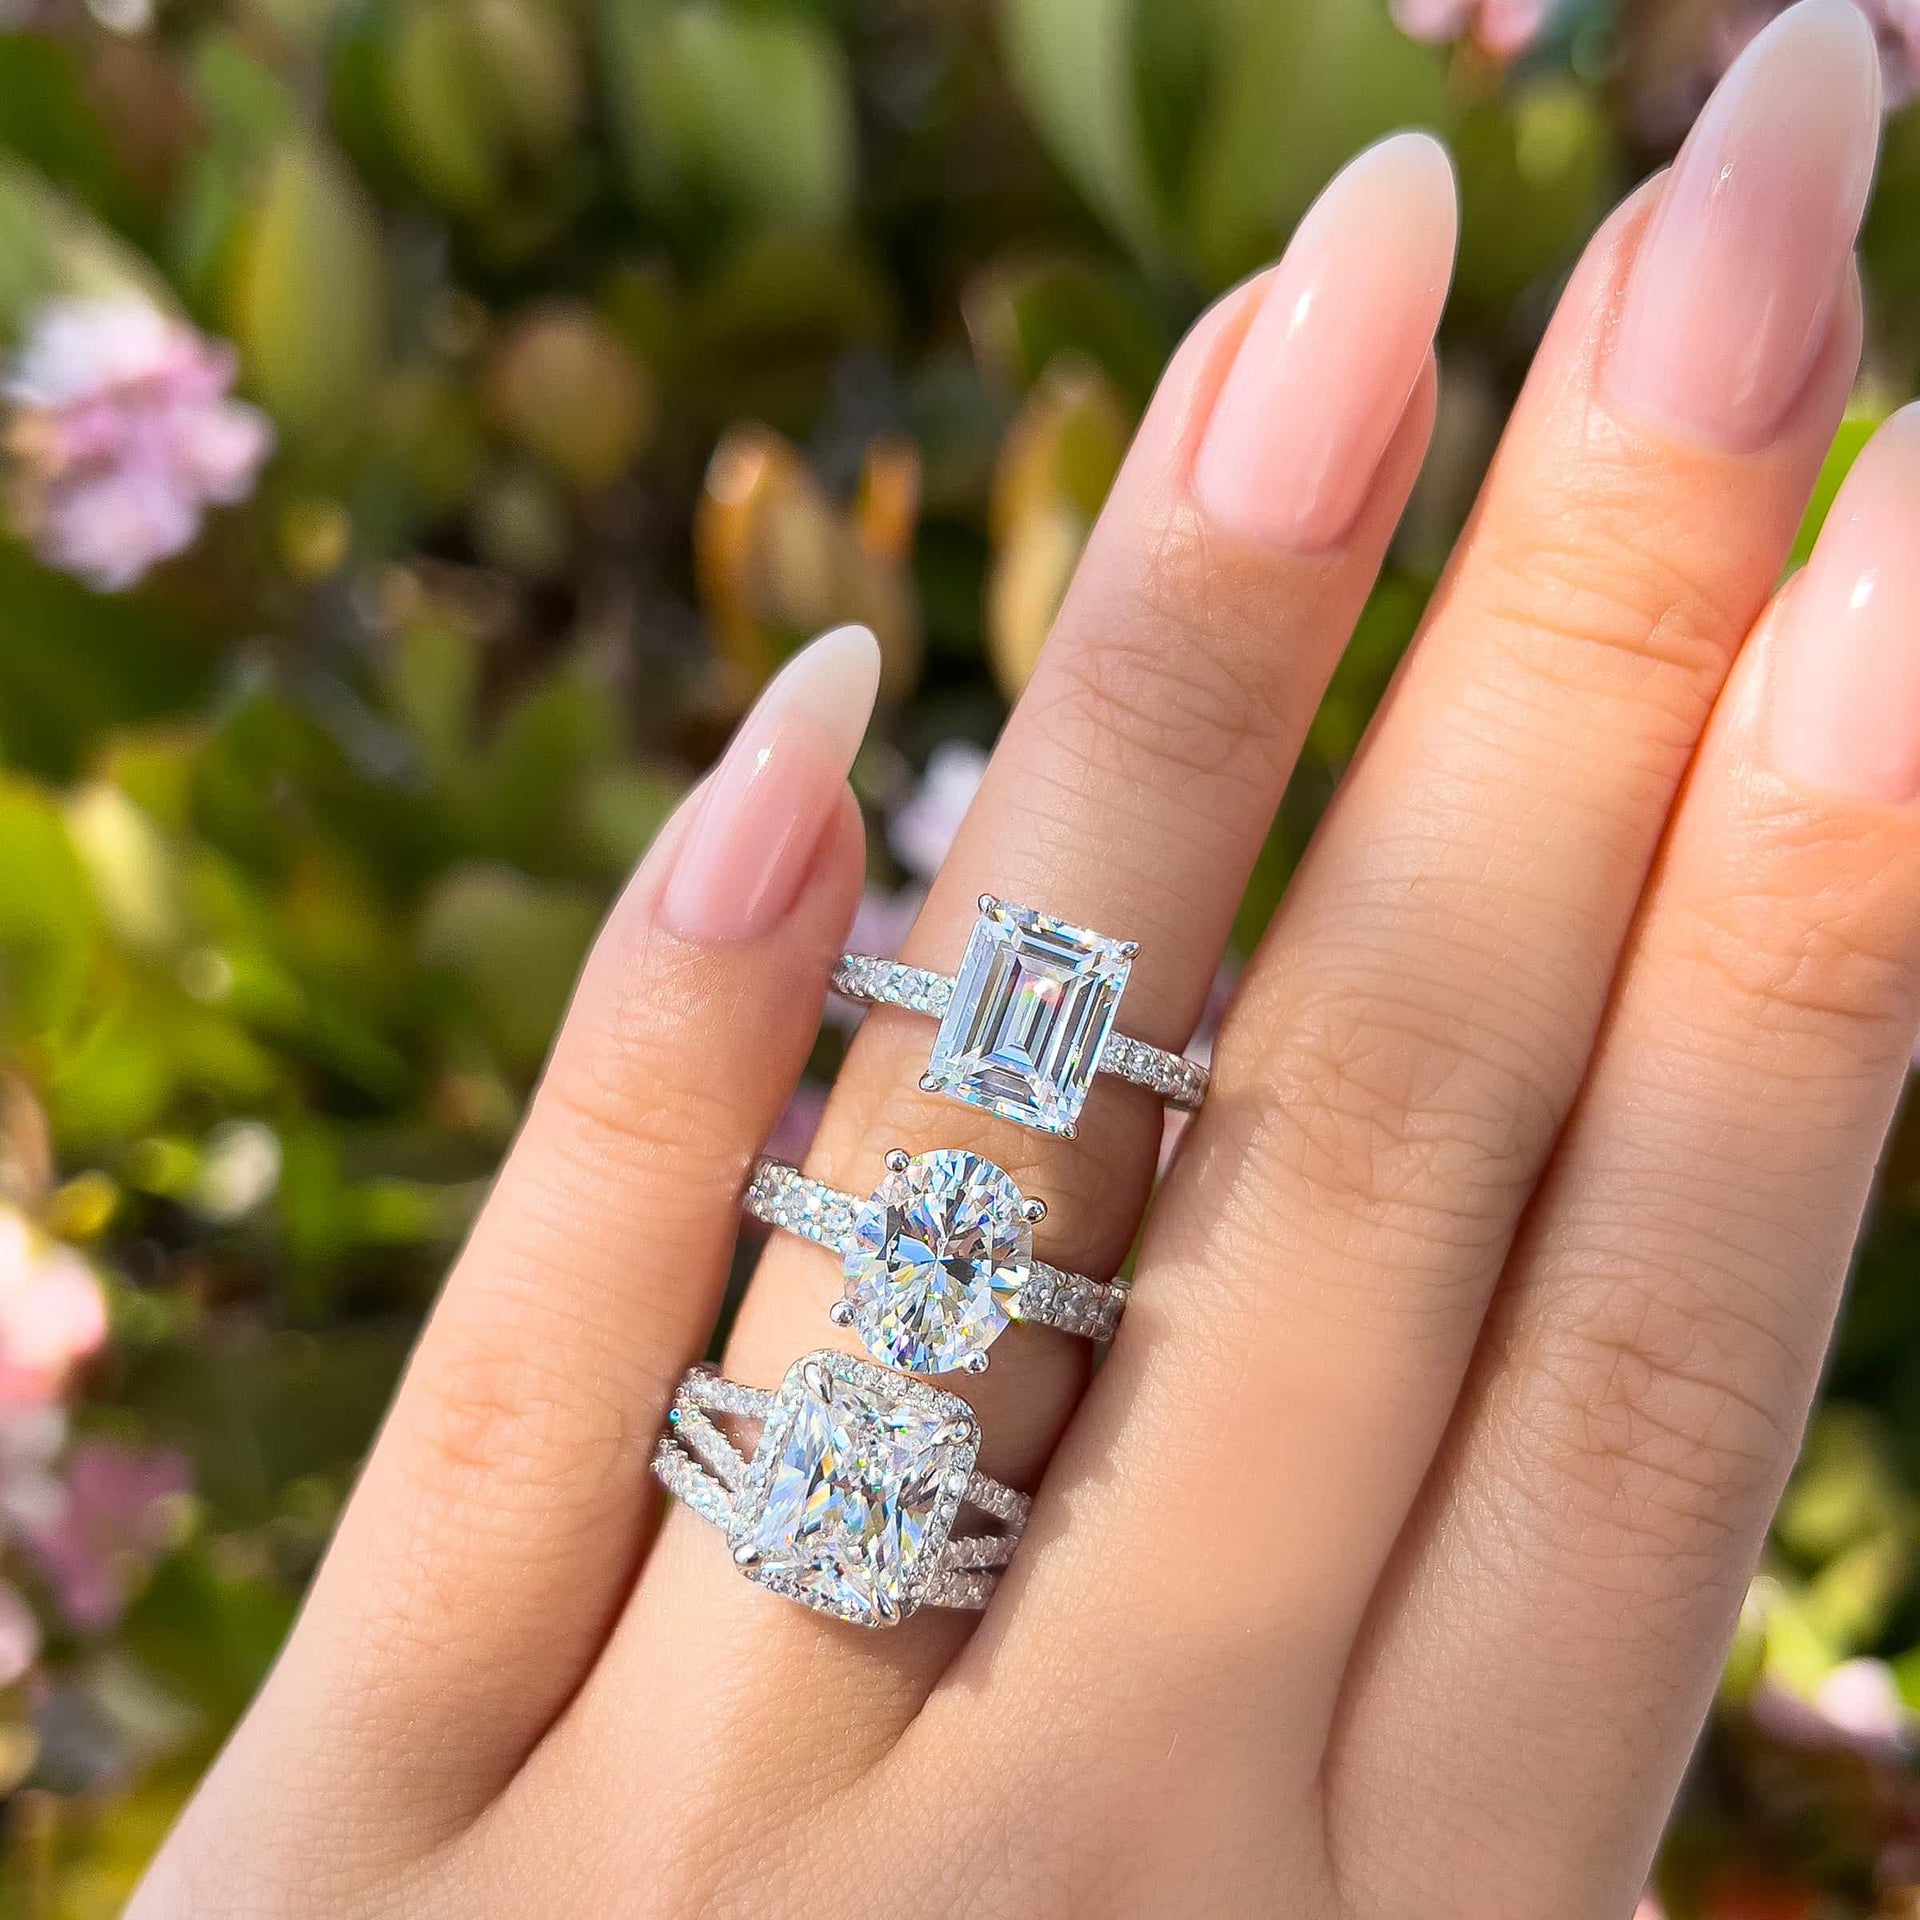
853 1489
937 1260
1032 1006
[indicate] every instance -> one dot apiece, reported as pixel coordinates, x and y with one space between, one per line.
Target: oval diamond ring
938 1260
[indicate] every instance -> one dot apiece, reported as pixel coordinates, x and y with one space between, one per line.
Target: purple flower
19 1635
1668 99
1896 25
1503 28
122 434
924 828
115 1517
53 1313
31 1439
793 1132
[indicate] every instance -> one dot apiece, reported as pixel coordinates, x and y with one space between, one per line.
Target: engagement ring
849 1501
1028 1020
938 1261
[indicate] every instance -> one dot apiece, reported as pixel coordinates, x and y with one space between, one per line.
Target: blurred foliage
613 347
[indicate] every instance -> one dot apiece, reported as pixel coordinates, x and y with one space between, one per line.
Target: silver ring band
850 1497
784 1197
1180 1082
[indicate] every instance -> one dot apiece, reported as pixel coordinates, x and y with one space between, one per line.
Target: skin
1386 1566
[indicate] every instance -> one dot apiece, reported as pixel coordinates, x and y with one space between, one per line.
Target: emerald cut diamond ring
938 1261
849 1499
1028 1020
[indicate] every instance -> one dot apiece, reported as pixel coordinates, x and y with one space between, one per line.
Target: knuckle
1806 941
1419 1138
494 1413
1182 678
619 1098
1666 1411
1595 589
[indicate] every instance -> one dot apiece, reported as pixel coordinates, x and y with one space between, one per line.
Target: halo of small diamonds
850 1500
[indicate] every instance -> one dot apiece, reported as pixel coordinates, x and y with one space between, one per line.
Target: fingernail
1323 376
774 791
1742 268
1845 699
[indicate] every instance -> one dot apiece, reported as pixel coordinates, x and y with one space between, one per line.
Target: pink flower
1503 28
52 1313
115 1517
19 1635
122 435
1861 1698
1896 24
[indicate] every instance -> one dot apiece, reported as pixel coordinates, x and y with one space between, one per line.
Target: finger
1579 1559
1417 1023
497 1525
1131 792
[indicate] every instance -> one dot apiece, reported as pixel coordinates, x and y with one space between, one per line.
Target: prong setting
1028 1017
854 1488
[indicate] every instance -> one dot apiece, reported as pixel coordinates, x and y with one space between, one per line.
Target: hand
1385 1567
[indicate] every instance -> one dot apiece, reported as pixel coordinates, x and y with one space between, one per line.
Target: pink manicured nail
1742 268
1844 705
774 791
1325 371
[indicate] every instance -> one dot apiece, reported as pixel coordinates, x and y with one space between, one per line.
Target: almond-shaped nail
1328 364
1744 263
1844 699
766 804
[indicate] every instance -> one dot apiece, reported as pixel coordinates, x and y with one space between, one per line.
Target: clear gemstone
1032 1006
852 1489
937 1260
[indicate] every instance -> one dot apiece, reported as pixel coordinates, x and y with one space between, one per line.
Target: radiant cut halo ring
1027 1021
938 1261
849 1500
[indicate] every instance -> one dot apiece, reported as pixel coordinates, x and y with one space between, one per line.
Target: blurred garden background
426 423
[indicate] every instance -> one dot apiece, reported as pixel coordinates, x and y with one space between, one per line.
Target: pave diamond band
849 1500
1178 1081
938 1262
1027 1020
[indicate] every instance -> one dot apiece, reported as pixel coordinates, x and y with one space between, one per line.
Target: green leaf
436 116
48 917
1074 64
208 1631
1300 88
1536 175
508 947
1863 420
307 304
50 244
530 777
749 113
47 120
75 663
1023 314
